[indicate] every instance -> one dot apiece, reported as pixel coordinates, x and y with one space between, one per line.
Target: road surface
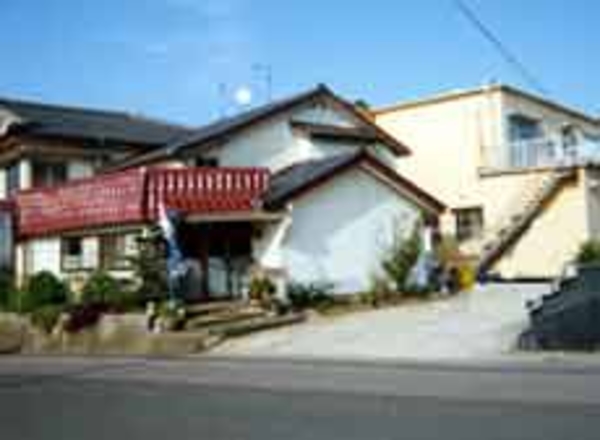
45 398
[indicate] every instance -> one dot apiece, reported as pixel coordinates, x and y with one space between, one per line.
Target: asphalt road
212 398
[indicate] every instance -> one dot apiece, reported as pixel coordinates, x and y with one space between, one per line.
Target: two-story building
518 172
44 146
304 187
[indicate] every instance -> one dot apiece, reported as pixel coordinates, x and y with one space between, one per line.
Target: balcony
547 152
135 196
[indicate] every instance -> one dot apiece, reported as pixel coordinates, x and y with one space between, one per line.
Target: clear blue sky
166 58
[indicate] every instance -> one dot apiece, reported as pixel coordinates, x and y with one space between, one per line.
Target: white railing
547 152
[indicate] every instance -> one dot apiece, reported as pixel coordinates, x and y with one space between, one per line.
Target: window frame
534 121
64 256
473 232
48 173
120 262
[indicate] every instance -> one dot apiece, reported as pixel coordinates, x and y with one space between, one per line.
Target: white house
303 187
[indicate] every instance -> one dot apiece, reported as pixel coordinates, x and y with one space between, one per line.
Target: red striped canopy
134 196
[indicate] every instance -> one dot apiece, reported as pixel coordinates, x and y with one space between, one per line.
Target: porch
220 211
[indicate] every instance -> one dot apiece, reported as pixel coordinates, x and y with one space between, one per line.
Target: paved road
268 399
479 324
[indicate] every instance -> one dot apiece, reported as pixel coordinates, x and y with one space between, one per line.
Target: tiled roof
224 127
49 120
294 179
300 177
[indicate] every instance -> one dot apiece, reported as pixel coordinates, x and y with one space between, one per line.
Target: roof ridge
459 93
7 101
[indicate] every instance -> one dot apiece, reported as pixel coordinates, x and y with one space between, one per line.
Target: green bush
150 268
7 291
309 295
46 317
589 252
261 288
102 288
400 258
43 289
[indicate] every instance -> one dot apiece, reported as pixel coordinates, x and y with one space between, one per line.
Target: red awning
134 196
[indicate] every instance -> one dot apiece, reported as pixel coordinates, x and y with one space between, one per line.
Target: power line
502 48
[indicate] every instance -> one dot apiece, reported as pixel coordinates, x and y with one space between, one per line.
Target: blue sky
166 58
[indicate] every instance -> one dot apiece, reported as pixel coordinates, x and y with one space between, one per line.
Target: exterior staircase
517 224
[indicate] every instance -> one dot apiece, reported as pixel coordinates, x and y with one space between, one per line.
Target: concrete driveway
483 323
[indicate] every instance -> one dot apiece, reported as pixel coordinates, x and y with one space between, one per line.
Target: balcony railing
135 196
546 152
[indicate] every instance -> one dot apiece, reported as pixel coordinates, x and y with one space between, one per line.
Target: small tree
150 269
400 258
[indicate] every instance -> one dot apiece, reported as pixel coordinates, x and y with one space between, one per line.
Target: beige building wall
460 147
449 140
553 239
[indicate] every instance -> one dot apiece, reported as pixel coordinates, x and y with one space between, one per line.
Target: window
116 250
523 127
48 173
211 162
469 223
12 178
71 253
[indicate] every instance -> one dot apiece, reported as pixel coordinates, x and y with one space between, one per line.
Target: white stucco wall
42 254
340 230
274 144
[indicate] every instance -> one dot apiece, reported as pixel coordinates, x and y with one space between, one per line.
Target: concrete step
223 317
252 325
206 308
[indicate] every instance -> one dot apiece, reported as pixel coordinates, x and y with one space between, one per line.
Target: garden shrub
102 288
400 258
589 252
309 295
43 289
150 268
83 315
262 289
46 317
7 291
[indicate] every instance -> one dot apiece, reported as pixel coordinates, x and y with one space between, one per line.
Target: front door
222 253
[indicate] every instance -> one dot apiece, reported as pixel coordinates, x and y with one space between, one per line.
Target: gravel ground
483 323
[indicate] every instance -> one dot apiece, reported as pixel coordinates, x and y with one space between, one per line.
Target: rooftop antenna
266 73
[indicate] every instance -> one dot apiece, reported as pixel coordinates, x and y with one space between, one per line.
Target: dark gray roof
290 181
226 126
223 126
106 126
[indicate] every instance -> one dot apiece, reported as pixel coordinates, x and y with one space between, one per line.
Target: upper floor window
521 127
12 178
48 173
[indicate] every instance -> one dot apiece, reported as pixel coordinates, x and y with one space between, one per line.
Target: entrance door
223 253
